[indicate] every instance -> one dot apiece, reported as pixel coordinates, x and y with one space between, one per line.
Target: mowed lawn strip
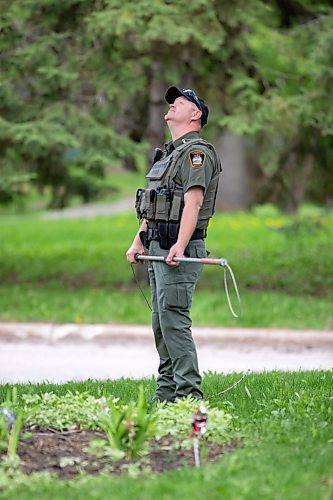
76 271
53 303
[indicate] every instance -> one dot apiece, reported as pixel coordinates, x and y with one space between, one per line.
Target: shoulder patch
197 158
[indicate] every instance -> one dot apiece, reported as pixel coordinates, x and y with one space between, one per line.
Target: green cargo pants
172 292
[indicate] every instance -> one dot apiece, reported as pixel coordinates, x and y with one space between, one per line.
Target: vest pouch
138 201
176 205
142 205
150 203
162 206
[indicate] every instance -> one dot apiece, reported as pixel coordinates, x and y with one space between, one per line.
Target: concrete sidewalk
105 333
37 352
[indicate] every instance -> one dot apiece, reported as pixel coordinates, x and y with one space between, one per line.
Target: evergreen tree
82 84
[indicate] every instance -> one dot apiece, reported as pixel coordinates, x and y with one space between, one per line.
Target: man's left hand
177 250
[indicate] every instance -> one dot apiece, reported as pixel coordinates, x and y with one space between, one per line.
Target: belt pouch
163 235
173 232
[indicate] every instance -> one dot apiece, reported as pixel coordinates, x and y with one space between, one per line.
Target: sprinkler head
9 415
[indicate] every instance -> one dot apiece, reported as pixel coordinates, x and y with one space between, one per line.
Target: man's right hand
134 249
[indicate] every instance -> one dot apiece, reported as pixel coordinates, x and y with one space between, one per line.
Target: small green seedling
11 423
127 428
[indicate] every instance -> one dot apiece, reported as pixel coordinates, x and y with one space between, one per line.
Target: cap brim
171 94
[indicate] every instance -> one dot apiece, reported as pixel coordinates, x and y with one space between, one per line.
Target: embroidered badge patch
197 158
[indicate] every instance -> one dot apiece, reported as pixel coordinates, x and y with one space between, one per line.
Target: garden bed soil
66 455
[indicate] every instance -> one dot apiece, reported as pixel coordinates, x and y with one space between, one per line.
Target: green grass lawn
76 271
100 305
285 420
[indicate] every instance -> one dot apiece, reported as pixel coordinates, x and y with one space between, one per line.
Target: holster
144 239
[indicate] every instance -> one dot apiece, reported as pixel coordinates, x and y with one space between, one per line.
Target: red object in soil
199 421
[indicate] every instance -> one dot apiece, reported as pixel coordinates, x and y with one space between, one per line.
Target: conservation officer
175 210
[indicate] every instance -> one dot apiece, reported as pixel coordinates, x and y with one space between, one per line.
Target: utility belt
166 233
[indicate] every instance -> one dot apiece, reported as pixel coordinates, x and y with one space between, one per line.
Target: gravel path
57 353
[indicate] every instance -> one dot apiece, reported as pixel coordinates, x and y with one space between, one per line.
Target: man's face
182 111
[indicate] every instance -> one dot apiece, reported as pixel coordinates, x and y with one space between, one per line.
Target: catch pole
204 261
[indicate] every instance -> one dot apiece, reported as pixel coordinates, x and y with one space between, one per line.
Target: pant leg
165 384
174 290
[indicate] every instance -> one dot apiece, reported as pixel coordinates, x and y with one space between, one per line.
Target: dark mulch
64 453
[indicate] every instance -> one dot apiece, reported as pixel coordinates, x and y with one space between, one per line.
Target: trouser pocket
178 291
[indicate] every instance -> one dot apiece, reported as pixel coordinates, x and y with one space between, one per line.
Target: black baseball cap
173 92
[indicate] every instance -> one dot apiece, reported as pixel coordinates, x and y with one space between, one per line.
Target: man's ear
197 115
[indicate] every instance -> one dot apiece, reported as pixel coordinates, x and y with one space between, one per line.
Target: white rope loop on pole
227 267
222 262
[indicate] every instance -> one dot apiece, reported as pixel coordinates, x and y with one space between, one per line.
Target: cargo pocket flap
170 279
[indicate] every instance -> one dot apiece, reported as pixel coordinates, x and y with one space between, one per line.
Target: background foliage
82 86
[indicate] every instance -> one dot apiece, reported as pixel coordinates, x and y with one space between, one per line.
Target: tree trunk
233 187
130 122
299 171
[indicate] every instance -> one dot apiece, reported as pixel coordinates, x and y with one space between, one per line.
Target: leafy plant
127 428
78 409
